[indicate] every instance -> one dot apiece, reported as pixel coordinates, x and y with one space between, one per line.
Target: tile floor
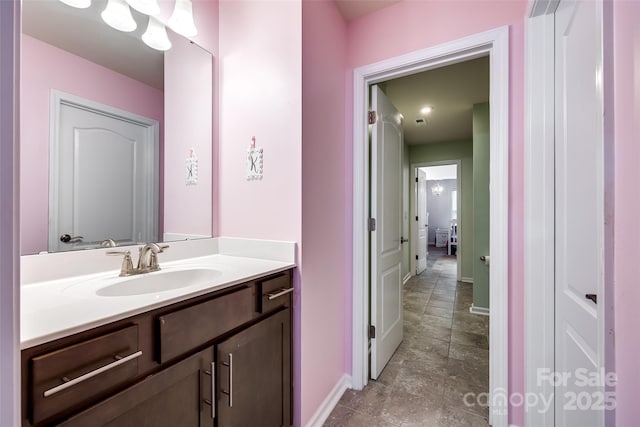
444 355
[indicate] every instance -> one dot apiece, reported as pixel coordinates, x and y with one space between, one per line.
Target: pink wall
188 112
260 95
205 15
626 52
45 67
326 219
412 25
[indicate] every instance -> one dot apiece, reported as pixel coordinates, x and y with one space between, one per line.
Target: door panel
579 210
421 221
104 183
386 245
254 375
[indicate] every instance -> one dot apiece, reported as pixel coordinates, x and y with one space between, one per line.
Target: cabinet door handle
230 392
212 402
279 293
91 374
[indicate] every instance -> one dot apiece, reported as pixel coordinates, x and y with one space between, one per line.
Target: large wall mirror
116 137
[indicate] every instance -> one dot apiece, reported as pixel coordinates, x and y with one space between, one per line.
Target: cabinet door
254 375
177 396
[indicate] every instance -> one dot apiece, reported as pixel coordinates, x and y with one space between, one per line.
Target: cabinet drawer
275 292
190 327
75 374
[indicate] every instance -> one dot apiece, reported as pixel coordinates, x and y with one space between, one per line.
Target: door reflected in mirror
71 51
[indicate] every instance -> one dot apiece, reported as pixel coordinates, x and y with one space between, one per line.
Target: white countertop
52 309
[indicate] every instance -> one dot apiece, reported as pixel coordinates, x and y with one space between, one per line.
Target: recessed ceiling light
426 110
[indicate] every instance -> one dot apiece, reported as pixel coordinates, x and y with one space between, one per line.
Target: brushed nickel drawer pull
279 293
230 392
212 402
91 374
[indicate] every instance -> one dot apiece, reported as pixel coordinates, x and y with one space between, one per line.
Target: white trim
10 213
330 402
539 238
496 43
483 311
413 231
467 280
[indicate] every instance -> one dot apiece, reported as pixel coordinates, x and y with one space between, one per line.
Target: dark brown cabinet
177 396
254 375
222 359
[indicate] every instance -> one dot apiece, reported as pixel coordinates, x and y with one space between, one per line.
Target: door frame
10 16
539 213
413 207
495 43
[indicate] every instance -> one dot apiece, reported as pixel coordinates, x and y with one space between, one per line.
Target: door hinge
416 179
416 257
416 217
372 331
372 117
372 224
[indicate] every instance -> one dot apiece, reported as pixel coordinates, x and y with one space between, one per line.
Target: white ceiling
436 173
450 90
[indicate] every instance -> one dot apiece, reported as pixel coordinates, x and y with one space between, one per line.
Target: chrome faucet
147 259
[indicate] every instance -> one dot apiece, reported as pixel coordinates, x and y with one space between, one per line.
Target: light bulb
118 15
181 20
156 35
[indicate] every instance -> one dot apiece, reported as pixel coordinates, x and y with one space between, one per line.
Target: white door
386 240
421 221
104 179
579 213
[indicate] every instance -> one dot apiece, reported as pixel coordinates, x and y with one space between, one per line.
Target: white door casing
579 207
104 175
546 223
496 44
386 240
421 221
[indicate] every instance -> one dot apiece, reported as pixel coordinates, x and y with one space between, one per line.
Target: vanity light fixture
156 35
148 7
80 4
181 20
118 15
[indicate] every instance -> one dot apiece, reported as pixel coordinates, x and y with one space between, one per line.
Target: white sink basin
160 281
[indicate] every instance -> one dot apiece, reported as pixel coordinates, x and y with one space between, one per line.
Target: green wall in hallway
481 203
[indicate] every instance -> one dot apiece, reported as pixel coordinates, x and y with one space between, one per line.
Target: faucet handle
153 258
127 265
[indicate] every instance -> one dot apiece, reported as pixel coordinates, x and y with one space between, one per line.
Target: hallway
444 355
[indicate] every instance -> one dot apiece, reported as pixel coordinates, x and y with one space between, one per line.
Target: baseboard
479 310
323 412
406 278
467 280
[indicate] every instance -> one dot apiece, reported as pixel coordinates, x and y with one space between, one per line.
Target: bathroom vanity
205 355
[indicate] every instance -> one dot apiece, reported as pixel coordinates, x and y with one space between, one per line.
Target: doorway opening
493 44
437 204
